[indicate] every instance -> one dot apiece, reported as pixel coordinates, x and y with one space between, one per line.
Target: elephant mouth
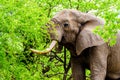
52 45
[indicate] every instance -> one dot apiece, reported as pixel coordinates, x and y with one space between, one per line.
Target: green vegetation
22 27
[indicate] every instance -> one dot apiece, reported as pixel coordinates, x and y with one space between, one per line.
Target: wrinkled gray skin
73 29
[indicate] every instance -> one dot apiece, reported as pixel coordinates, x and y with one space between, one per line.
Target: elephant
74 30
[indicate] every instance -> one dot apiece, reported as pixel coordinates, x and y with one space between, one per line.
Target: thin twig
65 73
57 57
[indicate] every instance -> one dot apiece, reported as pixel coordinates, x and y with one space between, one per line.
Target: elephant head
74 27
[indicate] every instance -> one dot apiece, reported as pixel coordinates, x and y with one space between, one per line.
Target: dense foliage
22 27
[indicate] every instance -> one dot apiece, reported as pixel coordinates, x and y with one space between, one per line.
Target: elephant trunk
52 45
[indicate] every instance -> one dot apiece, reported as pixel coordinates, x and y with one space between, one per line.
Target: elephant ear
86 38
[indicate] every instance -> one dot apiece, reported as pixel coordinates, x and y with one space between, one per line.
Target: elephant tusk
52 45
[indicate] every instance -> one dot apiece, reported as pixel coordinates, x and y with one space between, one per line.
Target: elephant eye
65 24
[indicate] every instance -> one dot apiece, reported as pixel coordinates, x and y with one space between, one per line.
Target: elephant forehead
65 16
